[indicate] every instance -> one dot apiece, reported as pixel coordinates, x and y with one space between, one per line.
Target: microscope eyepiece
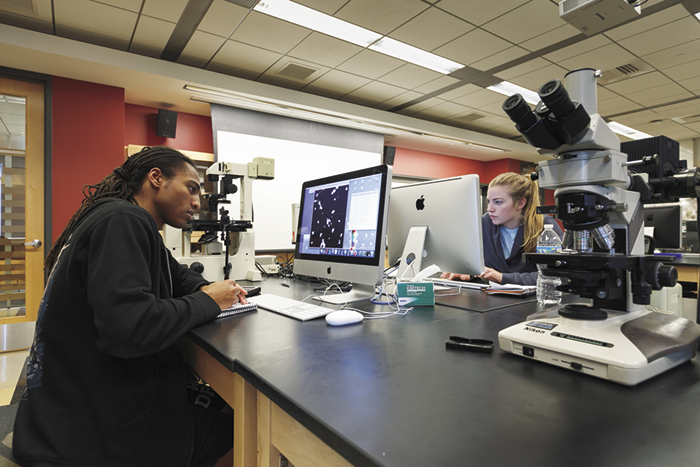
519 111
556 98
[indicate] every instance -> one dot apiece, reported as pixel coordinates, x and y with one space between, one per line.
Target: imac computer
437 222
667 222
342 231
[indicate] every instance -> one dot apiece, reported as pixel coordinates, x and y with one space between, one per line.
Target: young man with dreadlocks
105 383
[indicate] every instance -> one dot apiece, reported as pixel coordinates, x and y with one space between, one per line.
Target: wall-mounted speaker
389 153
167 123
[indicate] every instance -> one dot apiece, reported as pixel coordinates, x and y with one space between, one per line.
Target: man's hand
225 293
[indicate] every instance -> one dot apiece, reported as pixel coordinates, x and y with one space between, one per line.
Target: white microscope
227 247
600 205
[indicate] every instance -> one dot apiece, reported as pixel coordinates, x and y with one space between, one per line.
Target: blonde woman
511 227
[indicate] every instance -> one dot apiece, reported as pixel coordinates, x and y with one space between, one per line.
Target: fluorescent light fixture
414 55
697 15
627 131
321 22
508 89
332 26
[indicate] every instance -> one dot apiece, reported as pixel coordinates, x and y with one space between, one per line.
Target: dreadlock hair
523 187
123 182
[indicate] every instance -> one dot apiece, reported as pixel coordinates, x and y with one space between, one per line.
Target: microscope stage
626 348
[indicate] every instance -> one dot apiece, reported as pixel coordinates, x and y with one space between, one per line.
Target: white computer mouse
342 317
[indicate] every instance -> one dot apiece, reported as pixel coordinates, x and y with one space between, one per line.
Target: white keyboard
289 307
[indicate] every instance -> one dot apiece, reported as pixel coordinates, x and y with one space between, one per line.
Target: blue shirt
512 267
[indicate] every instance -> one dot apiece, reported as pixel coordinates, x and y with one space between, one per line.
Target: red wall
88 142
193 132
424 164
92 124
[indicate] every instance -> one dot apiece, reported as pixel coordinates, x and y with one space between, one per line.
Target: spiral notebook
237 309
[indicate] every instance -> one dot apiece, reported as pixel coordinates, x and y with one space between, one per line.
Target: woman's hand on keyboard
225 293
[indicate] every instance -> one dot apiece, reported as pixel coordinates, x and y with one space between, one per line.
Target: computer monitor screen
666 219
342 230
451 210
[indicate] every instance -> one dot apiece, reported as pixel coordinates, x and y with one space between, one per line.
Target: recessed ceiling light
623 130
321 22
332 26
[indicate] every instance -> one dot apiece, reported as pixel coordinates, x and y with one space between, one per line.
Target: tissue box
415 293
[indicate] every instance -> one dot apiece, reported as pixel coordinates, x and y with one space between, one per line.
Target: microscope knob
662 276
197 267
668 276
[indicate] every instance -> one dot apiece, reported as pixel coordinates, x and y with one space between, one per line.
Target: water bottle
548 242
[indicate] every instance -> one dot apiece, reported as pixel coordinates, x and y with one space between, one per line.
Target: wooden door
21 201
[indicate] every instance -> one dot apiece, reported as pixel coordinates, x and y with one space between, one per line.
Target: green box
415 293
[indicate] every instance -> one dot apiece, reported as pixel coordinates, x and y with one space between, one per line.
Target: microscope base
626 348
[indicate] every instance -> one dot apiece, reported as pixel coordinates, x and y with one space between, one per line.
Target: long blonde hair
523 187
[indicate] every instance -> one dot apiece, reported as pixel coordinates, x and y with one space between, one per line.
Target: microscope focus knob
197 267
662 276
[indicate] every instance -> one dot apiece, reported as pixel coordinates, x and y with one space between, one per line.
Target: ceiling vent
687 119
296 72
625 71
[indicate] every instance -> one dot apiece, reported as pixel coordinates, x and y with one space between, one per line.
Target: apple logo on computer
420 203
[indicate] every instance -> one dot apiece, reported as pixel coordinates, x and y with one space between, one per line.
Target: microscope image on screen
599 200
328 221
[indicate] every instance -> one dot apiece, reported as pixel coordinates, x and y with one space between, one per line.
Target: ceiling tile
407 96
329 7
151 36
526 22
131 5
472 47
523 68
579 48
480 98
443 110
500 58
420 106
638 118
382 17
478 12
679 110
279 36
440 83
664 37
168 10
431 29
648 22
660 95
616 105
370 64
375 91
243 56
200 49
549 38
638 83
410 76
603 58
95 18
336 83
535 79
325 50
460 92
692 84
683 71
673 56
222 18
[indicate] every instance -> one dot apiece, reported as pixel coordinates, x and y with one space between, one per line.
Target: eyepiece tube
556 98
519 111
